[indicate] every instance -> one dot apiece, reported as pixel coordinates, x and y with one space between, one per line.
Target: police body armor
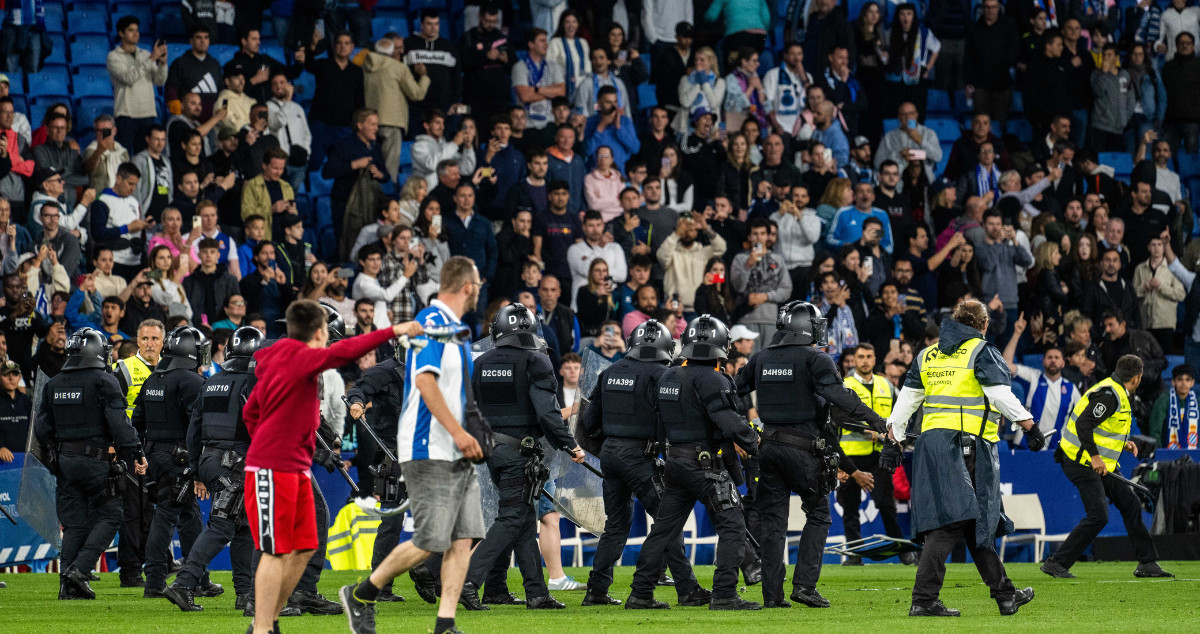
75 398
164 421
681 410
221 405
784 396
503 379
625 389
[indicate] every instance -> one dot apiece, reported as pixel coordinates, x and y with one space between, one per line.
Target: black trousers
515 528
849 495
931 569
221 532
89 518
168 515
312 572
686 484
628 473
1096 492
784 470
137 509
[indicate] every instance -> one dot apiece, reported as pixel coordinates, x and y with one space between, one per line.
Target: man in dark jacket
141 306
964 155
1111 292
485 53
1120 339
1049 72
823 29
266 290
470 235
1181 77
208 286
992 49
949 21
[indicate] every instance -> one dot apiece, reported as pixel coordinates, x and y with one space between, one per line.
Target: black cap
41 173
234 68
683 29
289 220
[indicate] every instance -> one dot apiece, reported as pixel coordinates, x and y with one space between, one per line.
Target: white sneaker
566 584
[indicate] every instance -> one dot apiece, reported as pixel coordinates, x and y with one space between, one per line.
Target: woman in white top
701 87
676 183
414 191
165 289
570 51
367 286
429 227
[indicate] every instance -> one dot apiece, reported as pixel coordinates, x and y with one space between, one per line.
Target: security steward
696 405
137 501
162 414
382 388
82 414
795 383
863 448
1095 434
963 382
517 395
621 413
217 441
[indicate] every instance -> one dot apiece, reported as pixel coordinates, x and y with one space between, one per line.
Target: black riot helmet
514 326
334 323
783 311
87 348
186 348
706 339
650 342
239 354
801 325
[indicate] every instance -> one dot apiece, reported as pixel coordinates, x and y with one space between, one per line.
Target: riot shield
39 386
593 365
489 495
579 493
36 500
481 346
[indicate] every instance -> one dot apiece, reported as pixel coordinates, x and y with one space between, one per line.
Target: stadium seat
941 165
168 22
16 82
89 18
319 186
1187 165
890 124
1018 104
416 6
382 25
176 49
39 105
20 103
90 48
306 85
91 81
646 96
1021 128
1025 510
1121 163
946 129
55 17
223 52
88 108
276 52
54 80
406 153
938 102
323 208
58 45
143 12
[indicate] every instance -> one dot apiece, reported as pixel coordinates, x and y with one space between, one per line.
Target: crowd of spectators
608 164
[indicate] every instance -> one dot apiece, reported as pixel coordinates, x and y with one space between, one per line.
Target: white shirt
421 436
580 256
287 122
1049 415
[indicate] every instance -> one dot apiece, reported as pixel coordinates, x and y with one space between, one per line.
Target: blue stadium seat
890 124
58 44
1187 165
142 12
1121 163
39 105
416 6
89 48
1022 129
1018 103
646 96
92 81
275 52
16 82
89 18
306 85
406 153
941 165
319 186
168 22
53 80
175 49
382 25
20 103
55 17
946 129
323 208
223 52
938 102
88 108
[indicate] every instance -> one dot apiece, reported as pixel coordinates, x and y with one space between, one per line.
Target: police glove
890 457
1035 438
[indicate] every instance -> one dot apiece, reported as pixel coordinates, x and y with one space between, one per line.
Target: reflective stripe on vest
954 399
878 397
1110 435
135 372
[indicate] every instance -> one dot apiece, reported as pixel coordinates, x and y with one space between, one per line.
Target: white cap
741 332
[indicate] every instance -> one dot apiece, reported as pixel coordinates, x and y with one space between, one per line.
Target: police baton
860 427
1136 487
362 423
8 515
339 466
590 467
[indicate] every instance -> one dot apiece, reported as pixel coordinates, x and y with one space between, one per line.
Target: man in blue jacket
471 235
610 128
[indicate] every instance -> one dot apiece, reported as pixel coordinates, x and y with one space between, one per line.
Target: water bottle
307 252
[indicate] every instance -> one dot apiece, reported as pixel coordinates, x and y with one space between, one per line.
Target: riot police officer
381 386
696 405
516 389
217 441
81 414
796 381
621 412
162 413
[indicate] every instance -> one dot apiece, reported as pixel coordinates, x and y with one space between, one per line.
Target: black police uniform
622 406
217 441
163 410
517 393
697 409
796 383
82 413
383 387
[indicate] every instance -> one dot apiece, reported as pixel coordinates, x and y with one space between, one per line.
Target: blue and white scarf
1038 402
1175 421
986 181
567 42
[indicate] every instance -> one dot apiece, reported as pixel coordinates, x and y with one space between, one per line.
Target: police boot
183 598
66 593
634 603
934 609
503 598
665 580
697 599
544 602
733 603
154 593
853 561
240 602
423 581
908 559
598 598
782 603
387 596
469 598
209 589
77 580
1009 606
314 603
248 610
92 576
1151 569
132 580
752 572
1057 570
809 597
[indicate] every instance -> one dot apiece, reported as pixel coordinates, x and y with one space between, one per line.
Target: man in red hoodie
282 416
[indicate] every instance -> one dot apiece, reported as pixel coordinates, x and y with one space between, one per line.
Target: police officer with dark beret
217 441
162 413
796 382
82 414
621 412
517 393
697 407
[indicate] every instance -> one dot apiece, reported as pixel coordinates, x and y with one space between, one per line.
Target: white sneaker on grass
566 584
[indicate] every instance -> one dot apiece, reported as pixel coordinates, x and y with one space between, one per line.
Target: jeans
354 19
323 137
1079 126
22 49
1183 132
295 177
131 133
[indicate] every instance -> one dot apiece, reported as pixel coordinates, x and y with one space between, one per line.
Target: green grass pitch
1106 597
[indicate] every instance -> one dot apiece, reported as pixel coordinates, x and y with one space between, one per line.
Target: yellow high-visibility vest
878 397
954 399
352 539
1110 435
135 371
